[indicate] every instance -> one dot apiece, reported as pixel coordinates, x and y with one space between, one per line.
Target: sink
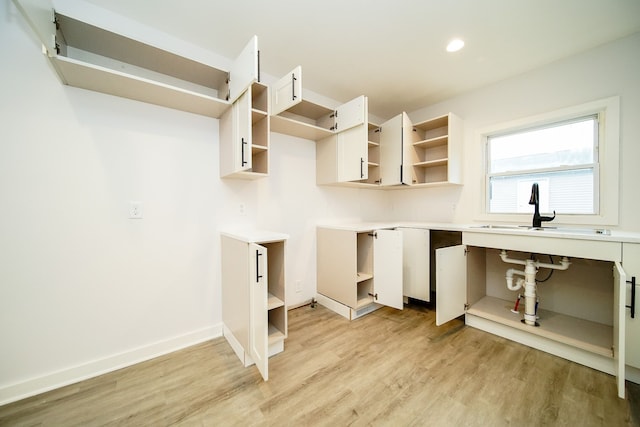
601 231
499 227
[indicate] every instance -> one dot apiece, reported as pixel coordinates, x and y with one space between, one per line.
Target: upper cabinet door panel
287 91
352 154
244 70
390 152
242 131
351 114
387 268
409 137
40 16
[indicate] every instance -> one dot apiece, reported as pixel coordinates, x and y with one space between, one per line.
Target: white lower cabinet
580 311
631 264
254 313
359 270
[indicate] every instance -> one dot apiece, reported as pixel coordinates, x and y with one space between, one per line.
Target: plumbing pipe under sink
529 281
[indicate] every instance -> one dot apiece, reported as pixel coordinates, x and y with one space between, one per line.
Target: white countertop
255 236
577 233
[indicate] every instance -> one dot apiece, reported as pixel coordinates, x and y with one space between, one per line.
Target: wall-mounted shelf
100 59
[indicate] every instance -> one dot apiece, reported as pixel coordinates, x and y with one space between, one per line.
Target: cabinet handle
361 167
633 297
293 87
258 275
244 162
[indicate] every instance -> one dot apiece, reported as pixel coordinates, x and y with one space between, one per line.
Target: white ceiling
393 51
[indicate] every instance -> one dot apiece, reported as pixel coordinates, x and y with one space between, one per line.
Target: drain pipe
529 273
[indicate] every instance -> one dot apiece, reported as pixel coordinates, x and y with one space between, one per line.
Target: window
561 157
573 156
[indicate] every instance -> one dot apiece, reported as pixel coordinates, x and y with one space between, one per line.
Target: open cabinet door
244 70
619 323
40 16
391 151
258 321
408 152
387 268
451 283
287 91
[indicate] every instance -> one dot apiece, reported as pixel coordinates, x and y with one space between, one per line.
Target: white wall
606 71
84 289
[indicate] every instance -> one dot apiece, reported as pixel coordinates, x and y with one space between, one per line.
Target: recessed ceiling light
455 45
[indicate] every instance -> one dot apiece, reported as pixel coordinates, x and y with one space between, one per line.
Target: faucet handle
548 218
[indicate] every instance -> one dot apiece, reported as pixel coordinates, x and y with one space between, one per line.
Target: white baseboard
17 391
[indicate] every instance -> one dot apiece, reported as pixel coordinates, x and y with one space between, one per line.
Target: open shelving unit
435 142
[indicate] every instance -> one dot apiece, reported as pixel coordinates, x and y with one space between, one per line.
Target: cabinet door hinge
374 235
466 251
466 306
375 296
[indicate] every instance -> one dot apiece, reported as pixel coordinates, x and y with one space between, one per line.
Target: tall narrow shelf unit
244 135
373 153
254 311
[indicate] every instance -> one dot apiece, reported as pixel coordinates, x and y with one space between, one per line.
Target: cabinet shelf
364 301
584 334
274 302
101 79
275 334
372 164
255 148
438 141
257 115
373 144
361 277
289 126
431 163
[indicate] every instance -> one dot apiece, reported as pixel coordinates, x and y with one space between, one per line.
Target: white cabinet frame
254 312
359 271
99 57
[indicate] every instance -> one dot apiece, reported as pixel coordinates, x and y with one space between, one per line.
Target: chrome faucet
535 200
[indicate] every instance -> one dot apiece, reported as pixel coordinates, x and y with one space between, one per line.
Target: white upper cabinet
244 135
428 153
109 58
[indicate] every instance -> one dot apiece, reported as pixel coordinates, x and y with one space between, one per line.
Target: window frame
606 189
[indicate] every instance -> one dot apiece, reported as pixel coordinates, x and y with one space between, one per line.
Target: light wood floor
387 368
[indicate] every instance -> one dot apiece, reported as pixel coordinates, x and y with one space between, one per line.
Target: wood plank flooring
390 367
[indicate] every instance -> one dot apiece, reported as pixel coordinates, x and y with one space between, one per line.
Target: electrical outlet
298 286
135 210
242 209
